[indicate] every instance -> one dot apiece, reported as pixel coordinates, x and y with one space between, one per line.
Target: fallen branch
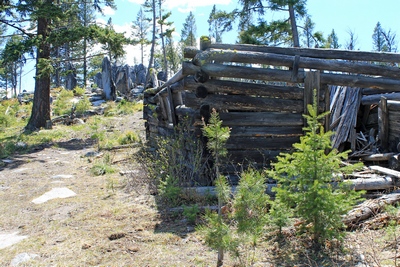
368 209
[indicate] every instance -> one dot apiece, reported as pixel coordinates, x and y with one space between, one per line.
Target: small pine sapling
309 184
217 136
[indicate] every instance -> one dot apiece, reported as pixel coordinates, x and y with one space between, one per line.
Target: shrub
128 137
79 91
82 106
63 103
305 182
191 212
103 166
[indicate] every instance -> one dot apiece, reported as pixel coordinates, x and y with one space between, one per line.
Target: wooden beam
314 52
267 74
243 88
244 103
383 123
295 62
312 82
374 99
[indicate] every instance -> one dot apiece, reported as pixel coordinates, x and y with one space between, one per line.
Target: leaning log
368 209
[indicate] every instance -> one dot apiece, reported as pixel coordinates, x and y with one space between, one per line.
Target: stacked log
261 93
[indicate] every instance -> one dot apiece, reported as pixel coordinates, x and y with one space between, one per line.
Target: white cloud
140 2
108 11
186 6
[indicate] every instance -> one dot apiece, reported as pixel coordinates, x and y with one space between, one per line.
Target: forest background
348 19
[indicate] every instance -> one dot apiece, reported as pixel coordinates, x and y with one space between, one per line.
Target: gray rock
23 257
9 239
98 80
62 176
107 81
60 192
70 81
98 103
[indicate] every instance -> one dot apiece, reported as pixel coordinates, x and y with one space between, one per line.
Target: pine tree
217 136
45 15
332 41
219 22
188 34
141 28
309 184
378 38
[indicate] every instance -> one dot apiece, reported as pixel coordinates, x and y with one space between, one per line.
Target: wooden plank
383 123
385 171
261 118
374 99
314 52
259 131
243 88
250 57
261 142
258 155
393 105
378 157
267 74
368 209
172 106
311 82
244 103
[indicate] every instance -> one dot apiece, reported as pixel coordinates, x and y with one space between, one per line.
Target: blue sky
358 16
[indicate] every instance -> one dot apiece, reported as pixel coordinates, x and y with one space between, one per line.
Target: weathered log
259 131
383 123
378 157
385 171
393 104
312 83
270 143
243 88
305 52
357 214
373 183
374 99
267 74
261 118
174 79
244 103
288 61
369 208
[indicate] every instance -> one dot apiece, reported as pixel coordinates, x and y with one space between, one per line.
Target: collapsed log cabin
261 93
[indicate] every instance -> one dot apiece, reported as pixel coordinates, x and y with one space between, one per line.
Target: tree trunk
165 67
41 98
293 24
153 43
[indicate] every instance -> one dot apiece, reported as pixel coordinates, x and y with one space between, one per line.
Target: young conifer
309 184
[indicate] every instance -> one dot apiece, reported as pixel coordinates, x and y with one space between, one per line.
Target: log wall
261 93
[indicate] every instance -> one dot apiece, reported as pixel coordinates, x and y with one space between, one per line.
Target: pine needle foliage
309 184
217 136
240 228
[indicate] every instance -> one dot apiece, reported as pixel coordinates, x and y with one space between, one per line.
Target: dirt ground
104 224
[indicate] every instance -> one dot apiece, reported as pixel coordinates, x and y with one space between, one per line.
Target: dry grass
125 224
